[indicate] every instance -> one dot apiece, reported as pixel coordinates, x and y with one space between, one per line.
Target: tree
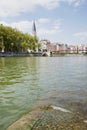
16 41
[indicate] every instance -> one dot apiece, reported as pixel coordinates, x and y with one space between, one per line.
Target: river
25 81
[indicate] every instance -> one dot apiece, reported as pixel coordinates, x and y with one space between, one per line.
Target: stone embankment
9 54
50 118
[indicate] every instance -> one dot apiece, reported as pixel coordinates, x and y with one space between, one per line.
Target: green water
28 80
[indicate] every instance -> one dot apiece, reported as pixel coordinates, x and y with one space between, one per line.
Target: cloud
50 29
16 7
78 3
49 4
24 26
81 34
75 3
43 21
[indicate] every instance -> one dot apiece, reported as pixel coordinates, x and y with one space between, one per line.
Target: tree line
13 40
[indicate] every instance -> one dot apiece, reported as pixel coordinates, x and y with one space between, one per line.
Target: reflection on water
52 80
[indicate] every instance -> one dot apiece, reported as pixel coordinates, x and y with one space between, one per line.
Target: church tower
34 34
34 28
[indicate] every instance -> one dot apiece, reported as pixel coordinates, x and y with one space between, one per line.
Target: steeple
34 28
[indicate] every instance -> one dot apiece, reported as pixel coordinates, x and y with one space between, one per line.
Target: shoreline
49 118
35 54
10 54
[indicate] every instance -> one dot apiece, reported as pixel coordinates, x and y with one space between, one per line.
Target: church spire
34 28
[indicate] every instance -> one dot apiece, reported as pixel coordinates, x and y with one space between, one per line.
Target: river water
25 81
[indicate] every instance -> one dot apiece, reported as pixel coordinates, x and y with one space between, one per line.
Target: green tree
16 41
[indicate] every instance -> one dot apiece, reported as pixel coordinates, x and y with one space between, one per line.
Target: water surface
24 82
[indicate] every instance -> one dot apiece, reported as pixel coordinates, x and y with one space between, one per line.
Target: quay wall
9 54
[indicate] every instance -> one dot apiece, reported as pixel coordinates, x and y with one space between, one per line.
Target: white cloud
78 3
4 23
75 3
24 26
50 4
43 21
50 29
16 7
81 34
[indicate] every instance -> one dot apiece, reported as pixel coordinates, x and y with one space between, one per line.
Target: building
34 29
44 45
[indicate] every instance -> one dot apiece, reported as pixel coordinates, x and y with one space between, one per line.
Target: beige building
62 48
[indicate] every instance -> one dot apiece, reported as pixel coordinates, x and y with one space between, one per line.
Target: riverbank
10 54
50 118
20 54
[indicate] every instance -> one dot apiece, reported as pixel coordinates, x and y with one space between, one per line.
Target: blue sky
62 21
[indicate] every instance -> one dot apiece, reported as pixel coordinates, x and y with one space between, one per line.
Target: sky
63 21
